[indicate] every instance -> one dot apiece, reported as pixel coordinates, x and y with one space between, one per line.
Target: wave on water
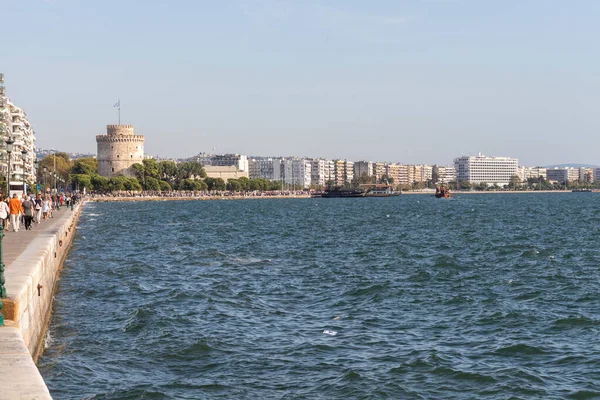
477 297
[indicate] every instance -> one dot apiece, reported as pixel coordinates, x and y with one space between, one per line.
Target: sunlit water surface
478 296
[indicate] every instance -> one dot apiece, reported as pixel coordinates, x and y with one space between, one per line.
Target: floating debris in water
330 333
388 215
337 317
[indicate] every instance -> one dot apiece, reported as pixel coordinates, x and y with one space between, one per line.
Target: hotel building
480 168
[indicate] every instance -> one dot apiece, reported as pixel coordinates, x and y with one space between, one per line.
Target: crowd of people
29 209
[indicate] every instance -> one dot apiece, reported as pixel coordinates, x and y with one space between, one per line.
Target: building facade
118 150
14 124
224 160
483 169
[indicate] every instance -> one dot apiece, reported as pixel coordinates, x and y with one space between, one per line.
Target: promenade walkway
14 243
19 376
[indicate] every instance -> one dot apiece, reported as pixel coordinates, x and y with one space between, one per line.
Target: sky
411 81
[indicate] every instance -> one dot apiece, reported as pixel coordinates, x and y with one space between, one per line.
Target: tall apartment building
296 172
480 168
596 174
446 174
395 172
15 124
320 171
586 175
263 167
343 172
363 168
380 169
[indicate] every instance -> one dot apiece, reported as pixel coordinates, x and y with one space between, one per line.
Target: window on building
113 170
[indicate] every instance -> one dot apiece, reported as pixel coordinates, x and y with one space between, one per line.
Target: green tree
234 185
81 181
164 186
514 182
151 168
152 183
132 184
117 183
100 183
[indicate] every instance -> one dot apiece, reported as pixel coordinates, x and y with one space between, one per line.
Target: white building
14 124
526 173
296 172
562 175
446 174
320 171
480 168
224 160
263 167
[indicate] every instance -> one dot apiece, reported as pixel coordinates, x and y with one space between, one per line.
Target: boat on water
382 192
582 190
442 193
343 192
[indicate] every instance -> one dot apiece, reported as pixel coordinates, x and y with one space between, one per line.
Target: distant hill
571 165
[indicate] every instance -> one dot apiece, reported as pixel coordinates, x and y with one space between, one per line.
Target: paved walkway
14 243
19 377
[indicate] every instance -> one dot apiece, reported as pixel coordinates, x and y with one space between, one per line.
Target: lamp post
45 170
54 181
9 148
24 157
36 166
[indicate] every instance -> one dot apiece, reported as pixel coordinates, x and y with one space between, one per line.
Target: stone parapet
30 285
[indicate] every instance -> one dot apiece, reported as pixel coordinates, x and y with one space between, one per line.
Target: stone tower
118 150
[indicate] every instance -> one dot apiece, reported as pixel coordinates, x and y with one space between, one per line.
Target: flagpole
119 111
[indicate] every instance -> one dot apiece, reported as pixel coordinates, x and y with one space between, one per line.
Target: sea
493 296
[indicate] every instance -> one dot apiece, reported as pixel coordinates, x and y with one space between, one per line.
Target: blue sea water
478 296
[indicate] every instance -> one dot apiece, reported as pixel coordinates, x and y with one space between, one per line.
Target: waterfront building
224 160
296 172
263 167
118 150
15 124
320 171
483 169
446 174
586 175
526 173
343 172
562 175
380 169
596 175
224 172
363 168
394 172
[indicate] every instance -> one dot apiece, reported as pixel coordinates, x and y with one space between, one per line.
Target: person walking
4 213
46 207
16 210
28 207
38 208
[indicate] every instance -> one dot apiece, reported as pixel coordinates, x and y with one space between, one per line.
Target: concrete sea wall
30 285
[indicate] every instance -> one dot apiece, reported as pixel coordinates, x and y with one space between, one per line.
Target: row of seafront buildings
16 128
318 172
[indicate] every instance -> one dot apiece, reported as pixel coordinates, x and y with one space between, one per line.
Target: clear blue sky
419 81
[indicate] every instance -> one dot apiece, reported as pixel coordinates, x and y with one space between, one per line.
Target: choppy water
479 296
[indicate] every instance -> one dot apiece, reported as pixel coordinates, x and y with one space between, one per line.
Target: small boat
442 193
382 192
581 190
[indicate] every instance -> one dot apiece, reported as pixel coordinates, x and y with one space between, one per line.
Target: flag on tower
118 104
